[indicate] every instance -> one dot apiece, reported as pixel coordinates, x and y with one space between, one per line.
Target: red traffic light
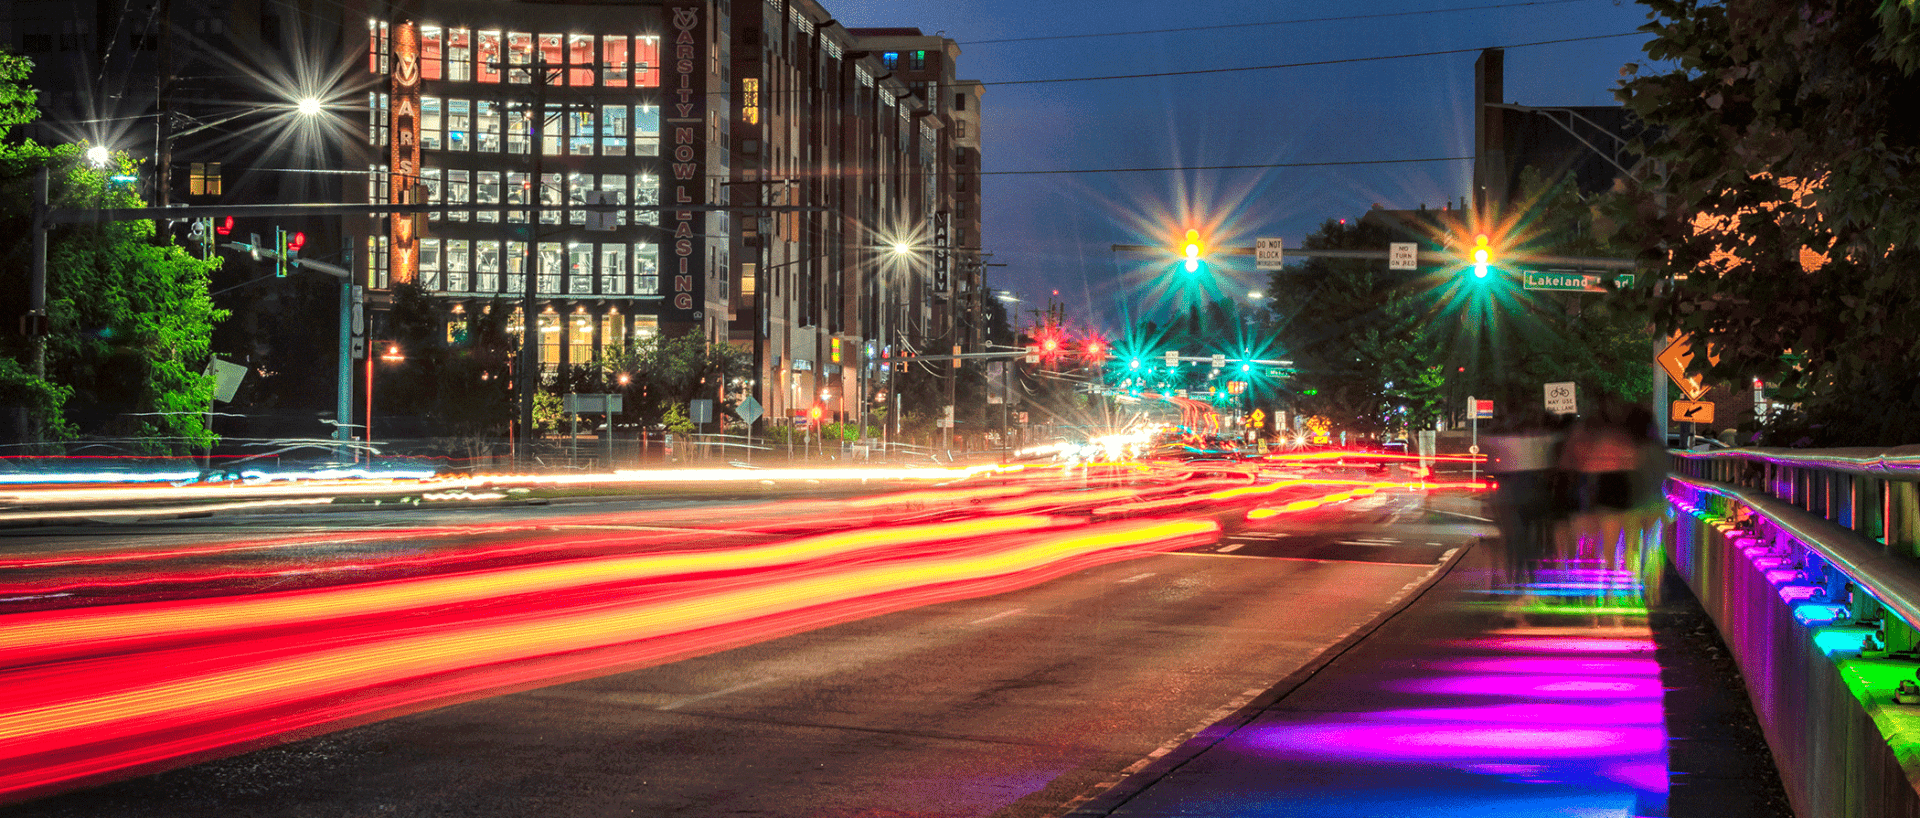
1095 349
224 226
295 241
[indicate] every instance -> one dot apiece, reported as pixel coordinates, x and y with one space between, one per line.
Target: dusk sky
1055 229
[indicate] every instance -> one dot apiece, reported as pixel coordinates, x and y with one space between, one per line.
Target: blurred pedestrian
1606 456
1523 457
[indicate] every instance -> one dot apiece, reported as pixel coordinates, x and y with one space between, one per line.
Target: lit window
750 100
890 60
204 179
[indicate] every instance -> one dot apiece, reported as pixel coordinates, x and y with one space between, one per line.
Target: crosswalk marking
1230 547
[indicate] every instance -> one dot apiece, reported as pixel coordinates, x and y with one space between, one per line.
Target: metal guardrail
1874 493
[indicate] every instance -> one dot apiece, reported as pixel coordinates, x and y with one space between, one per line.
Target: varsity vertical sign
403 155
685 112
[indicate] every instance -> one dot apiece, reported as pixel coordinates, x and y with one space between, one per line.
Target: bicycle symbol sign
1560 398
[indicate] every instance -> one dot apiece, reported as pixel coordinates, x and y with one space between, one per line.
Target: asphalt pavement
1482 697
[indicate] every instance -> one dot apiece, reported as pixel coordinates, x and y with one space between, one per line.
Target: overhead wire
1296 21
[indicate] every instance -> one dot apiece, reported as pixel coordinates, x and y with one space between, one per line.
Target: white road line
1229 547
679 703
1368 542
1000 615
1264 535
1458 514
1136 577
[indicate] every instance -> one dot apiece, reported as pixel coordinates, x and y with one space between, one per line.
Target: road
948 697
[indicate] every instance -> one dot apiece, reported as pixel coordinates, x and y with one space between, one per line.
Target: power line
1341 18
1229 167
1343 61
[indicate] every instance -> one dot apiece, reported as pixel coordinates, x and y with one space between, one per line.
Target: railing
1809 562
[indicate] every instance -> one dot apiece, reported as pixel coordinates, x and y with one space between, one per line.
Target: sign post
1477 409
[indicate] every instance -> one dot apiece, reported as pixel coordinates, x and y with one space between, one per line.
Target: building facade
747 169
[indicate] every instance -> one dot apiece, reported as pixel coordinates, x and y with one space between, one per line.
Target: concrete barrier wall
1843 746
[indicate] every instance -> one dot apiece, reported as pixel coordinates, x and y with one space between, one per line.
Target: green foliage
674 416
669 371
130 317
1783 126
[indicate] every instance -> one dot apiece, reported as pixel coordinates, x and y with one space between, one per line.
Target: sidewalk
1467 702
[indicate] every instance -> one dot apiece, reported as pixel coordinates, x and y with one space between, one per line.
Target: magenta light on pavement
1551 665
1558 644
1542 686
1781 576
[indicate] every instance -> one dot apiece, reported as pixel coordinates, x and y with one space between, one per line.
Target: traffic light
1095 349
1192 249
223 225
814 414
295 241
1481 254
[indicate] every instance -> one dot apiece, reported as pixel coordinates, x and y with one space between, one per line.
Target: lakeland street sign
1574 282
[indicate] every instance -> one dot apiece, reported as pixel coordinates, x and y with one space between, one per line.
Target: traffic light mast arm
1426 256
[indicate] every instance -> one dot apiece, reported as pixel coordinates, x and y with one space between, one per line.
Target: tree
129 316
1774 214
662 372
1356 335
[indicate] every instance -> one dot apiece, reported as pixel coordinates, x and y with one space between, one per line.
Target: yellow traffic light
1192 250
1480 256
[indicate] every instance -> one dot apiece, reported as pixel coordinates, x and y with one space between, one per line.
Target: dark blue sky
1055 230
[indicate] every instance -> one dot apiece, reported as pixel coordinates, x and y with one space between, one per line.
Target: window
578 184
960 129
460 55
431 52
459 192
486 266
890 60
748 272
580 269
612 329
959 102
430 179
519 53
552 263
918 62
204 179
459 125
750 100
645 326
519 130
646 269
486 122
646 130
517 195
514 277
553 59
430 265
580 338
613 269
615 56
613 130
490 56
486 190
646 191
646 62
580 57
580 133
430 123
454 262
613 189
551 198
549 340
553 131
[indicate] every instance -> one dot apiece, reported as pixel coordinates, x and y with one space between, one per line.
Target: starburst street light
99 155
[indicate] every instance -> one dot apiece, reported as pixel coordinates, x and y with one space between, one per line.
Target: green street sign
1571 282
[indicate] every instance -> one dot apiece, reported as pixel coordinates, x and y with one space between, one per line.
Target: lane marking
679 703
1000 615
1136 577
1229 548
1263 535
1458 514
